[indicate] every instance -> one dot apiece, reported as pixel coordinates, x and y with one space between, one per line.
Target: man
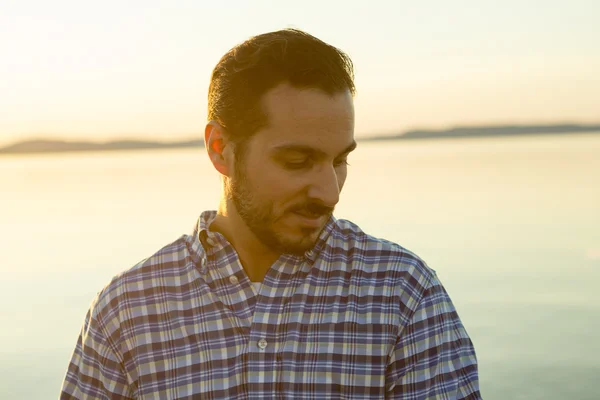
271 296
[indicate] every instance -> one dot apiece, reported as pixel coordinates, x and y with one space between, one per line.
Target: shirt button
262 344
233 279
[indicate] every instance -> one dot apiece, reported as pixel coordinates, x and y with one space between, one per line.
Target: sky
141 69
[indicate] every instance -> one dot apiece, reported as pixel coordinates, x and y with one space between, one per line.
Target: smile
308 219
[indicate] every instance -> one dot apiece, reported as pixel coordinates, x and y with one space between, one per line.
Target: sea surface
511 225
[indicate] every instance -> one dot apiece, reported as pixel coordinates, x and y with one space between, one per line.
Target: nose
324 186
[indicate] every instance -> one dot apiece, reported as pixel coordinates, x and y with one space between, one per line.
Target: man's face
288 180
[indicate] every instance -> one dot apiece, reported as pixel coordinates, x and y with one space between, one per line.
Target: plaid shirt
355 317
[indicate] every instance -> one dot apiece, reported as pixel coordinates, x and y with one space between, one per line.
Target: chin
299 243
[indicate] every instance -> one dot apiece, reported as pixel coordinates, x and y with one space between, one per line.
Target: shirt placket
235 293
266 337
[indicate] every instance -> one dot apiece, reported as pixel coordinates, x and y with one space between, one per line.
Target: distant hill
500 130
55 146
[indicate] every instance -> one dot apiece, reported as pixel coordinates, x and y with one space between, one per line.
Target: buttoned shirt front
354 317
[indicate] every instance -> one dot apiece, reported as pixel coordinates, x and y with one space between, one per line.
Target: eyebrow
311 150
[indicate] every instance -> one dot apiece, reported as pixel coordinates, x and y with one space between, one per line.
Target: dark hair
246 72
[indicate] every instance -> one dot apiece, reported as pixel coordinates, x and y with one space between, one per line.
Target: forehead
307 117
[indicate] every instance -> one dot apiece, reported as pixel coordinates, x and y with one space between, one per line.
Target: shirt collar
204 241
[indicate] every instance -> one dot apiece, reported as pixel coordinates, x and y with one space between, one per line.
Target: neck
255 257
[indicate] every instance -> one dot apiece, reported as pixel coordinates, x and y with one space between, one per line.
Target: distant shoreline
63 146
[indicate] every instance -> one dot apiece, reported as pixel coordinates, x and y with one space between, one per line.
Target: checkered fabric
355 317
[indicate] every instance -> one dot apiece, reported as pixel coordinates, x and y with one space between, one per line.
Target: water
512 226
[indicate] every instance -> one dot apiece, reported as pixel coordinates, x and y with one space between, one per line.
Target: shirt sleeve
95 370
433 357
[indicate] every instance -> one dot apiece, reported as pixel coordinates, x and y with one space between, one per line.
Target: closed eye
339 163
300 164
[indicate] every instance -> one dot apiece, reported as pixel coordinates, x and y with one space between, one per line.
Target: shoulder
350 241
385 259
165 268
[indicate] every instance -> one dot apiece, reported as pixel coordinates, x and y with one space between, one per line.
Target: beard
261 217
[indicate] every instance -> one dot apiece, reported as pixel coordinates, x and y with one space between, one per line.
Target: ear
218 146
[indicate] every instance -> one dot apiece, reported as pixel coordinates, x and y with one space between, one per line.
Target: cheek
278 185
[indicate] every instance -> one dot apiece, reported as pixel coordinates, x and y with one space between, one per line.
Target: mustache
313 208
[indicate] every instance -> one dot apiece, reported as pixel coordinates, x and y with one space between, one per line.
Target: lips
308 219
308 214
